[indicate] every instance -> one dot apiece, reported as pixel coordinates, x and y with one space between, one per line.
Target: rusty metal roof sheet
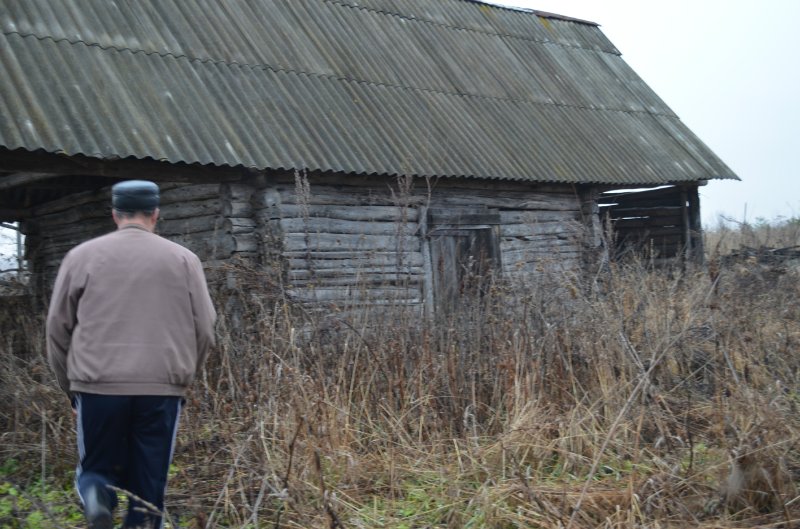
420 87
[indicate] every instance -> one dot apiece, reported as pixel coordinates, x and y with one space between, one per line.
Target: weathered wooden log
208 245
463 217
207 223
63 241
539 253
349 294
238 192
503 199
537 217
362 213
542 228
545 244
237 209
366 281
360 283
352 260
189 193
327 196
328 225
372 313
80 230
240 225
410 259
386 272
539 263
366 253
80 213
508 200
552 278
102 196
339 242
197 208
419 184
245 242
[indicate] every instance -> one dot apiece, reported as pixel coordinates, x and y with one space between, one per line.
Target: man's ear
156 213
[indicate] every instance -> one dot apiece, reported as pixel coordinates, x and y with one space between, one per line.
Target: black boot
97 508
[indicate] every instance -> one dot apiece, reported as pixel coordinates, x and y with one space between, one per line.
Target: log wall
211 219
335 239
366 242
346 245
540 229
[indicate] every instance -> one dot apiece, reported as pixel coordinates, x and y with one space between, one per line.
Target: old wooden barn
360 151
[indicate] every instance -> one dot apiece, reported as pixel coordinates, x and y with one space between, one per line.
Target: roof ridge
338 77
531 11
542 14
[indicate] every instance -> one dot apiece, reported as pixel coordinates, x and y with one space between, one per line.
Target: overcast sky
730 70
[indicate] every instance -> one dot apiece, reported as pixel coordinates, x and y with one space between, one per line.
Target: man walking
130 323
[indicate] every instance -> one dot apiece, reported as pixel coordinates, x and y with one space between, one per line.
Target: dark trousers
127 442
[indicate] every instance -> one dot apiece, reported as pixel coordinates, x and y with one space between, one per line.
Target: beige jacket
130 315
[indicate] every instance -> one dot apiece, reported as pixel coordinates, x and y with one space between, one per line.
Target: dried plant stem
644 381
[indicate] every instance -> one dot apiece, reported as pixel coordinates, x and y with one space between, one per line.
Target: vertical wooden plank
696 225
496 252
427 278
687 230
590 213
437 265
450 268
446 268
596 253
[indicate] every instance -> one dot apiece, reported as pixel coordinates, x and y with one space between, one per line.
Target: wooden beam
61 165
647 222
14 214
650 233
427 266
641 204
460 217
24 178
696 225
621 213
687 230
672 192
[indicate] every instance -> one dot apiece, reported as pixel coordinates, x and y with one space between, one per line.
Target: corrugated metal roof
433 88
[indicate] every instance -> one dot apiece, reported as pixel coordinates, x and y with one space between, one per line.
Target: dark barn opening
660 224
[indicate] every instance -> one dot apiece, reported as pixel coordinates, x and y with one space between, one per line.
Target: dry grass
730 235
645 399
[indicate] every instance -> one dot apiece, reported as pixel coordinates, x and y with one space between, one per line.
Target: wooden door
465 253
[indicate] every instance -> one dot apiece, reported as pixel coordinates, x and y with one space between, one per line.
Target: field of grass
639 397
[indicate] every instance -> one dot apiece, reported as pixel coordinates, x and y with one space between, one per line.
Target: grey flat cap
135 195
